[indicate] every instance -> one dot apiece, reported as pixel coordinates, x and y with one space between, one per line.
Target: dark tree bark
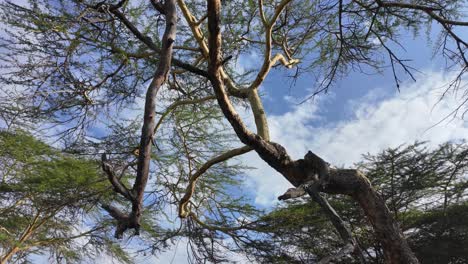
349 182
135 195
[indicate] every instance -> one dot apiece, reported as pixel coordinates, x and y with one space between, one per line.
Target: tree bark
349 182
4 259
149 121
136 194
345 233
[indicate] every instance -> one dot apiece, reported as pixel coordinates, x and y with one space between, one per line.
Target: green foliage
33 168
76 64
43 193
425 188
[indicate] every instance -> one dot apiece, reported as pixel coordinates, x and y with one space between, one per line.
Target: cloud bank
375 124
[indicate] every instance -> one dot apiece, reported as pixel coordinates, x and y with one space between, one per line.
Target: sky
379 118
360 114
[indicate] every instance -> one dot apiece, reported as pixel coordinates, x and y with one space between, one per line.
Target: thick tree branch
201 40
356 185
318 171
158 6
124 221
149 122
135 195
259 114
395 247
252 96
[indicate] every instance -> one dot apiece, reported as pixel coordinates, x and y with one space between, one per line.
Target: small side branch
183 210
292 193
345 233
119 187
268 61
176 104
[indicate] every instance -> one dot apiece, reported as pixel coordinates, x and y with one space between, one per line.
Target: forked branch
183 209
132 220
396 249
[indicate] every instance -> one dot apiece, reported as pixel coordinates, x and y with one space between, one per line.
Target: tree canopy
425 189
43 194
84 70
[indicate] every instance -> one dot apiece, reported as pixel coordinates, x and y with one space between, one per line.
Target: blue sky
360 114
356 84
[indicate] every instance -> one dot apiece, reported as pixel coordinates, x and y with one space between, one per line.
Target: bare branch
183 210
119 187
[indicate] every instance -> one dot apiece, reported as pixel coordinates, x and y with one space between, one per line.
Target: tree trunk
136 194
396 248
149 122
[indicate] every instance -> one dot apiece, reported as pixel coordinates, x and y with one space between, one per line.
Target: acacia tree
43 192
75 62
425 189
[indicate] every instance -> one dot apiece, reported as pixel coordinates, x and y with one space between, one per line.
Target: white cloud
376 124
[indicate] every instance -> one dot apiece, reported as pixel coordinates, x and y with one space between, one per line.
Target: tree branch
427 9
119 187
136 194
201 40
150 44
395 247
189 191
160 77
267 60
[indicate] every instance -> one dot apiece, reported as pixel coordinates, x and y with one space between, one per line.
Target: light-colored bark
183 204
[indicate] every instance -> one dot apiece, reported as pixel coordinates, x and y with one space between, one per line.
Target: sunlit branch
183 210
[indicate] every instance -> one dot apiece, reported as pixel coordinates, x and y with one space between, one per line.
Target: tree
425 189
43 192
78 61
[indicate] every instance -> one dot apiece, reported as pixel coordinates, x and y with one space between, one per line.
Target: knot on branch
280 153
309 172
310 169
124 221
